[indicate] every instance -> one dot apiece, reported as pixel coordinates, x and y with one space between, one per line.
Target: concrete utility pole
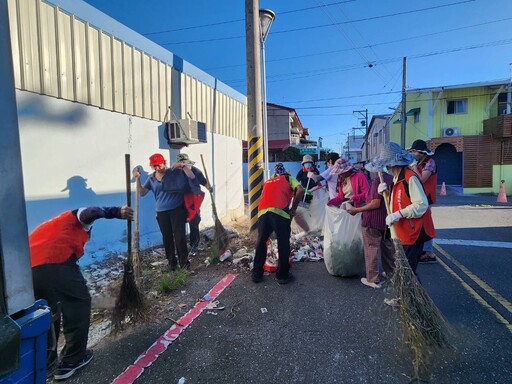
404 96
509 91
364 115
15 272
254 115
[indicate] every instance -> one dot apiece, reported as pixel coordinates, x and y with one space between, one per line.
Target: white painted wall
61 139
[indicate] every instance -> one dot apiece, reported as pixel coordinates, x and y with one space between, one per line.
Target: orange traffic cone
443 190
502 196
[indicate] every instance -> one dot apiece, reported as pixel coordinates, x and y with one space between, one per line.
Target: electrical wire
324 71
369 46
237 20
323 25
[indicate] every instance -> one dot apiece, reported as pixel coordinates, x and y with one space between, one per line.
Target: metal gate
449 164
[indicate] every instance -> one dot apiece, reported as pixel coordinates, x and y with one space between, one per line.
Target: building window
456 106
416 117
502 104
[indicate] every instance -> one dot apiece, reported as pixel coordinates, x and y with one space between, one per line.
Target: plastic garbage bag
343 242
309 217
317 208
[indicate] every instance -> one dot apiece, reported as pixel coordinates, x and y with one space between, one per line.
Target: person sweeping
410 213
55 248
410 222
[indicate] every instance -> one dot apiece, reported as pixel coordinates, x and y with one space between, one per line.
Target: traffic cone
443 190
502 196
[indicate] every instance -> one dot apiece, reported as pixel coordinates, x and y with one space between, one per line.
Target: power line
237 20
299 75
372 45
384 103
323 25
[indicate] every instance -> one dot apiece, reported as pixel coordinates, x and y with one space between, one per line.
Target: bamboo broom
130 300
424 326
221 236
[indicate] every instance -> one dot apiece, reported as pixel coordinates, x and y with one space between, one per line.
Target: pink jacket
360 186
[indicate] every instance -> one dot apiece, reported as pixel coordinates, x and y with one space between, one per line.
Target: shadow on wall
36 108
107 236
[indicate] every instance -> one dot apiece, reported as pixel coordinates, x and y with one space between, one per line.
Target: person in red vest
274 215
427 171
410 213
55 247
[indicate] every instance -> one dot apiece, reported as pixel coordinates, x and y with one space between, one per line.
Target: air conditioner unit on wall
450 132
185 131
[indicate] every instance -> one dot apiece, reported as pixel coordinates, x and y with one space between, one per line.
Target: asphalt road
325 329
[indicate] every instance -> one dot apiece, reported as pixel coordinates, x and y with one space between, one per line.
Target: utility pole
254 115
363 116
509 91
403 113
348 145
16 292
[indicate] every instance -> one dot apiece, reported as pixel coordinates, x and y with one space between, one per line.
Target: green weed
171 281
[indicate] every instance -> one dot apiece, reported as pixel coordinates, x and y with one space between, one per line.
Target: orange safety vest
56 240
277 193
430 186
408 230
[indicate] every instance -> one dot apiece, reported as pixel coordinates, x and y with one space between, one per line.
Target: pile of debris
104 276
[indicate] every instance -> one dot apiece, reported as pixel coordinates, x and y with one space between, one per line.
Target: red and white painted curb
162 343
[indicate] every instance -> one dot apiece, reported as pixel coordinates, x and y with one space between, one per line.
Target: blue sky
328 58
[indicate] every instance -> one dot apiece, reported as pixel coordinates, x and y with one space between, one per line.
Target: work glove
382 188
310 175
392 217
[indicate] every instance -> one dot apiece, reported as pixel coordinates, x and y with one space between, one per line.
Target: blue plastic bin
34 324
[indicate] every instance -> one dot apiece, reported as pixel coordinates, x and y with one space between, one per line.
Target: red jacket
56 240
408 230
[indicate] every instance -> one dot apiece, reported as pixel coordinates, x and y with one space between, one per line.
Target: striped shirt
376 218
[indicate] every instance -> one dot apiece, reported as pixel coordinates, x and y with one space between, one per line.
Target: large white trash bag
309 217
317 207
343 242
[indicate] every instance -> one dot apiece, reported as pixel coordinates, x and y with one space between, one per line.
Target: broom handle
307 187
128 203
388 207
214 208
136 239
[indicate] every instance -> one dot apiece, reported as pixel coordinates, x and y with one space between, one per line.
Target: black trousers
65 290
172 225
268 223
413 252
194 232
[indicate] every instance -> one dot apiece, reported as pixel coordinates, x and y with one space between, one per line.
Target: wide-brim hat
307 159
341 166
183 158
421 146
391 155
374 166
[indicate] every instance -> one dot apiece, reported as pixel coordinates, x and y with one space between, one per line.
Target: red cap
156 159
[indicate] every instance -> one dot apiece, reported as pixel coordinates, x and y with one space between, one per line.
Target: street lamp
266 19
